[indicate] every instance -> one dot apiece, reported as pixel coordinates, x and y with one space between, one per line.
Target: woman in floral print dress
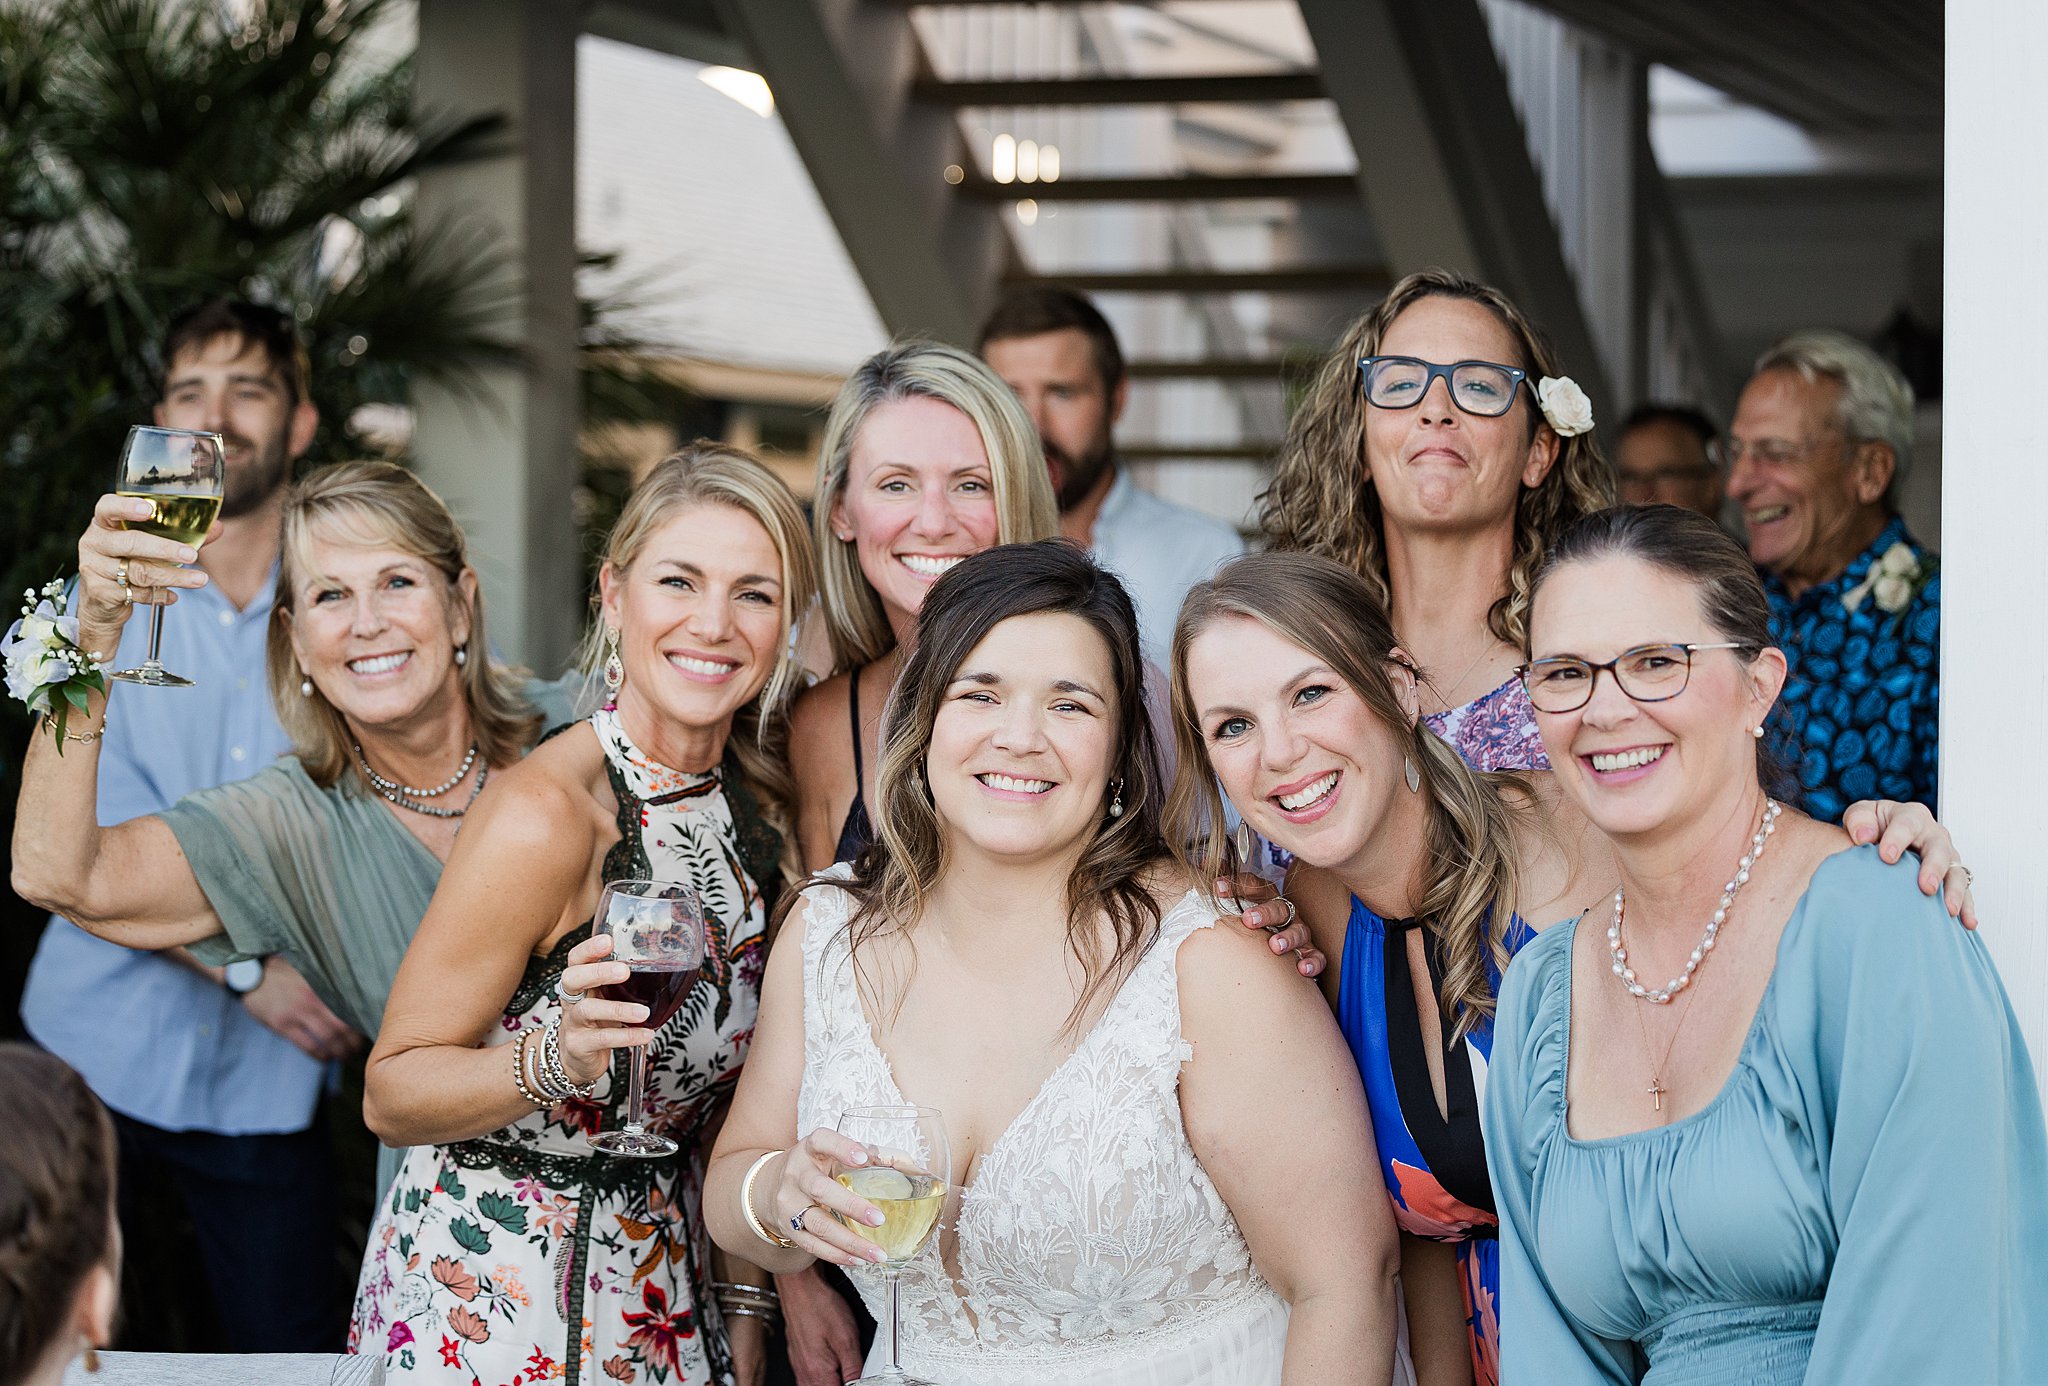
508 1251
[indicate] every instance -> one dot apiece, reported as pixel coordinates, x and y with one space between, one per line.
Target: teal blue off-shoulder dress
1865 1201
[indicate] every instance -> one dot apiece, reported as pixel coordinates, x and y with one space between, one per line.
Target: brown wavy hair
893 878
1321 501
378 503
56 1200
1470 880
713 473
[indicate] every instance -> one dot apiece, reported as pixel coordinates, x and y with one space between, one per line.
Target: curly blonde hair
1320 500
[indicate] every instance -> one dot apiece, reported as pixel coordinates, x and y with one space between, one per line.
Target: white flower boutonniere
1564 405
45 667
1893 581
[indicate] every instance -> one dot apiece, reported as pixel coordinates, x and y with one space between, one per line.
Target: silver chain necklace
401 796
1661 996
394 787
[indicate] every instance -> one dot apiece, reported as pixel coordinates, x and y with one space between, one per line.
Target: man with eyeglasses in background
1822 431
1668 454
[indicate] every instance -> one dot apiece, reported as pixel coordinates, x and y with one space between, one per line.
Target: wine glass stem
636 1089
895 1323
156 632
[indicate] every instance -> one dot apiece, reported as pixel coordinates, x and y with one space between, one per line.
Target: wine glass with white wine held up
181 474
657 930
909 1166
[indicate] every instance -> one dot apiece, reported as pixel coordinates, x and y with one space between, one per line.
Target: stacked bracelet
520 1077
537 1067
737 1300
767 1232
554 1077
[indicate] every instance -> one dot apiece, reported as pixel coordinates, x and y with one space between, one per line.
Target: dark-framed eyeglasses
1485 388
1647 673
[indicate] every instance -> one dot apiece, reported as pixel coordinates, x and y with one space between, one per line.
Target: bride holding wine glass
1116 1176
594 881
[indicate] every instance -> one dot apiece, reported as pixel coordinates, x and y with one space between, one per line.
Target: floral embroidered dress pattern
1857 719
525 1256
1091 1245
1495 731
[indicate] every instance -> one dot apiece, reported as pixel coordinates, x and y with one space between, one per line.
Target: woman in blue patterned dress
507 1249
1430 877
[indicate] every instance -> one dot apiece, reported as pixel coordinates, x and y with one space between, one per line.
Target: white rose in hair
1565 405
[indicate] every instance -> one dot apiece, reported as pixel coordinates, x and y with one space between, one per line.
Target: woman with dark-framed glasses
1440 451
1732 1107
1291 694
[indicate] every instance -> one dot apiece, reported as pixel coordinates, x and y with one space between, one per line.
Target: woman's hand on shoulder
1899 828
1262 906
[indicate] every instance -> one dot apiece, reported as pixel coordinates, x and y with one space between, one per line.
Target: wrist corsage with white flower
1894 580
1565 406
46 669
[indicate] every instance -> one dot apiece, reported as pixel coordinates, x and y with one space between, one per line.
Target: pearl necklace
391 787
1662 996
400 796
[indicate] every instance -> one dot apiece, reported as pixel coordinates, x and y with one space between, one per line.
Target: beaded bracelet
519 1074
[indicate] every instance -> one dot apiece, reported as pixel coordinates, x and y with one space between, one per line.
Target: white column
1994 637
506 464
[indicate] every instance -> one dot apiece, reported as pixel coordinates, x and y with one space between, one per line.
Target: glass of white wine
908 1168
181 474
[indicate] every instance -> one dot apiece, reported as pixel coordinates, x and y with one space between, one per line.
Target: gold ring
121 575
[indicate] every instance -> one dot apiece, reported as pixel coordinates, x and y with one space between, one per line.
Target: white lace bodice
1090 1235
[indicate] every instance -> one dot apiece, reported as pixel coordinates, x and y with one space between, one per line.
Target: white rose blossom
1564 405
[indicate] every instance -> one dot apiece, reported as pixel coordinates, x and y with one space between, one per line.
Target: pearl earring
1757 731
1116 800
461 656
305 685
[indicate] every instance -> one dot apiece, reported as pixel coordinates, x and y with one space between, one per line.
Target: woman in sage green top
378 668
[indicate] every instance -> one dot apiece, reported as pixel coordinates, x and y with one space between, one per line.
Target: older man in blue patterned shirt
1821 433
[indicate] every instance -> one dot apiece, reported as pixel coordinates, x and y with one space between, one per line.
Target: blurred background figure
1056 350
213 1074
60 1252
1669 454
1821 434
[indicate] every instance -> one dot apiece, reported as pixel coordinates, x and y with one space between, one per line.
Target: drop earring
1411 774
305 684
1116 800
461 655
614 667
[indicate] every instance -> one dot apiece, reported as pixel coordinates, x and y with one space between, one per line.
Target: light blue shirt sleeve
1540 1344
1936 1157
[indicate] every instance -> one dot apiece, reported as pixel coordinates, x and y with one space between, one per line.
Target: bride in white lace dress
1163 1168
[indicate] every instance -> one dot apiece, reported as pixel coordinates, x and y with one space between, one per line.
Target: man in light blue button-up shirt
214 1080
1057 351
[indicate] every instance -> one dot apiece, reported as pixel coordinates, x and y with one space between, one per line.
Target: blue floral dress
1495 731
1434 1163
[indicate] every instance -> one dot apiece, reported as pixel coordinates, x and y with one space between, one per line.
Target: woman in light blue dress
1759 1118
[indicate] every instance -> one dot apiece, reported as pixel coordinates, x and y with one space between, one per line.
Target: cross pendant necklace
1657 1090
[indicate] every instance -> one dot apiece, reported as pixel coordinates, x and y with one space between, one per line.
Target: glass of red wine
657 930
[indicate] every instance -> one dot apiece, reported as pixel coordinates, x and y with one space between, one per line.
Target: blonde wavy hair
1470 879
379 505
1321 500
855 623
894 877
713 473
